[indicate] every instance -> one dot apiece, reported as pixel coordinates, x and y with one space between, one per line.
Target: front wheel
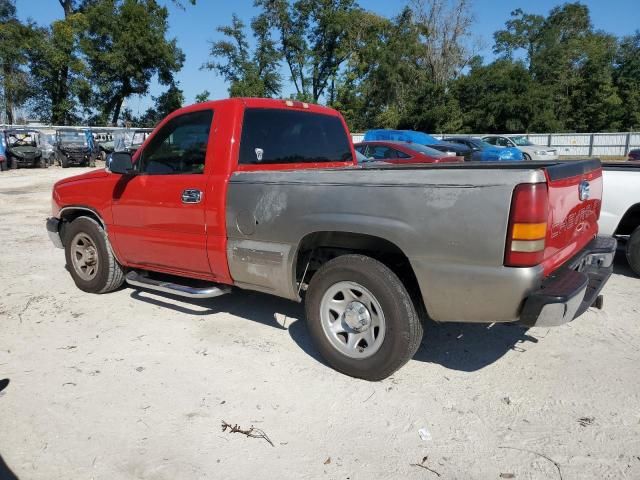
526 156
13 163
361 317
633 251
90 261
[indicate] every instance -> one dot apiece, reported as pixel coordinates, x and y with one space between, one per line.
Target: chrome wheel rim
352 319
84 256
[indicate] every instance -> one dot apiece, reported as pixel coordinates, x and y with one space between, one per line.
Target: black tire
633 251
13 163
526 156
92 162
110 274
42 163
3 165
403 329
64 162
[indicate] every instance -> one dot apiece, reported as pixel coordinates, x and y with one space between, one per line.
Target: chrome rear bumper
569 291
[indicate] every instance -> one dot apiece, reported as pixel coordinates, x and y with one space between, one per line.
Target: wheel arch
318 247
70 213
629 221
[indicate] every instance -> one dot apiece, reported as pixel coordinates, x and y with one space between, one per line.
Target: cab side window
180 147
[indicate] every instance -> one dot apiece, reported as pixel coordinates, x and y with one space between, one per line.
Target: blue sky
195 26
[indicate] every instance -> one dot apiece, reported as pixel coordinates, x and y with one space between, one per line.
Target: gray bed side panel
451 227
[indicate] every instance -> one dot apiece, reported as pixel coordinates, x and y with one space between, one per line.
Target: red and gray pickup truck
265 195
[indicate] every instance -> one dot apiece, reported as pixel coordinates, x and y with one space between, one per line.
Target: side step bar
139 279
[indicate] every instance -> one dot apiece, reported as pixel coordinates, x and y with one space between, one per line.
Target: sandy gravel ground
135 385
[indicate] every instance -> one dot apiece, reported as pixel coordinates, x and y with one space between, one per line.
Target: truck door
159 214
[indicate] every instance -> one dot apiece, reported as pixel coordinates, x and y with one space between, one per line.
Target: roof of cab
252 102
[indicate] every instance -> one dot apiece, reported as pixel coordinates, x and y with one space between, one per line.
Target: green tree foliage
249 74
316 37
170 100
203 97
15 39
570 62
417 70
59 74
627 80
125 46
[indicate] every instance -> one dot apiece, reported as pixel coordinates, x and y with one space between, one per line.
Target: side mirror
120 162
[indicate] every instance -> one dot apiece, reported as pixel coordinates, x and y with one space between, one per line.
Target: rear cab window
287 137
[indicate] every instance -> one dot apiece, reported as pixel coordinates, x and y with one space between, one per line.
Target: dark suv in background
22 148
76 147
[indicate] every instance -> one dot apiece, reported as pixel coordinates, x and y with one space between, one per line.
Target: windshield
78 137
521 141
432 152
22 139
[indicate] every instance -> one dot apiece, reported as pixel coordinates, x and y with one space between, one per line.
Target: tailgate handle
191 195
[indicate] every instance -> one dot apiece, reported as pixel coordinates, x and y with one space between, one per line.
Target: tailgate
575 199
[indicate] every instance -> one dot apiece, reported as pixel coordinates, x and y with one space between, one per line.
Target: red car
403 152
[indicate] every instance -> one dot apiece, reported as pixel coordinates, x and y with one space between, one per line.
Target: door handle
191 195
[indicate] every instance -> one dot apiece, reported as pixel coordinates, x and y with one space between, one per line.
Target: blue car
4 163
485 152
420 138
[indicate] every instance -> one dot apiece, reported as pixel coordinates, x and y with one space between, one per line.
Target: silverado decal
572 220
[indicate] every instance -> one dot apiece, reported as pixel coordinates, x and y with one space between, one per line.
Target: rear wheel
361 317
42 163
90 260
3 165
633 251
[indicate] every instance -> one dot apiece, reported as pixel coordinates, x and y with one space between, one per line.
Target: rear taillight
527 225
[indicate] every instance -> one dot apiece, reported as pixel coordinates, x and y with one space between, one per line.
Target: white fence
574 144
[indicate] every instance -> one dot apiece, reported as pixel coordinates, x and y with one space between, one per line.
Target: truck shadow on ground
457 346
469 347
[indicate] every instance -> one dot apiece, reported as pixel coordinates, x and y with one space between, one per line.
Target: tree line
418 70
83 67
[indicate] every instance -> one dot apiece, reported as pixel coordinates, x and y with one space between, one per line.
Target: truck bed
450 220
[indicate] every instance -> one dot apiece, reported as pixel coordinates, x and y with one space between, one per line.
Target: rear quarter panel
450 223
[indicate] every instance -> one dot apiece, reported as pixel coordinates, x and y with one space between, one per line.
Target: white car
530 151
620 215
